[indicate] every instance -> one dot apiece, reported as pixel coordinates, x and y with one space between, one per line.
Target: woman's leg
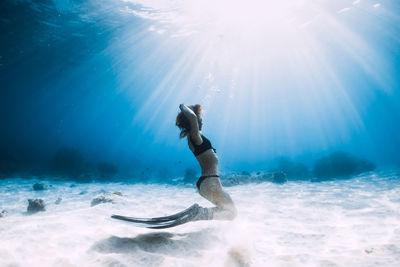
211 189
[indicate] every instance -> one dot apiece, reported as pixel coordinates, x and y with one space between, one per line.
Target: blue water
296 80
301 100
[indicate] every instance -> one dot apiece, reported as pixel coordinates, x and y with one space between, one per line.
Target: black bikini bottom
202 178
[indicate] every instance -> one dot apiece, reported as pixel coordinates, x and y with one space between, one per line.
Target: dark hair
183 122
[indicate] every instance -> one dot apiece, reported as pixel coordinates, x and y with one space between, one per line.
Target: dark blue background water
85 75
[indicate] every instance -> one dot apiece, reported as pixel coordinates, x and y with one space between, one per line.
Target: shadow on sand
164 243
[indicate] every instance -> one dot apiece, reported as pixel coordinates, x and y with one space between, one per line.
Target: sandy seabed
339 223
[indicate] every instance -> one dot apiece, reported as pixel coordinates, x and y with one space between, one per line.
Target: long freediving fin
157 219
184 219
193 213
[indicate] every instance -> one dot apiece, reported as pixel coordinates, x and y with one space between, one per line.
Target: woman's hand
194 125
188 112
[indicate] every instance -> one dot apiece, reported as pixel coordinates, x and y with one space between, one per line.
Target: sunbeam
260 65
275 121
274 77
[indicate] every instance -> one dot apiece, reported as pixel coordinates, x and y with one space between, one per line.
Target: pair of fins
188 215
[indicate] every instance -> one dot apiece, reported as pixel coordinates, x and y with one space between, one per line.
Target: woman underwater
209 185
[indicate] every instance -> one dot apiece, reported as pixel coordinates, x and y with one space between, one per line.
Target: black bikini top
206 145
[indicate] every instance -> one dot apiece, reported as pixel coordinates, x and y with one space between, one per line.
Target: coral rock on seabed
340 164
99 200
107 198
58 201
279 178
35 205
293 170
38 187
3 213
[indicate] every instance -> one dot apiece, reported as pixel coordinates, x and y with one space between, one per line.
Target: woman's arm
194 126
187 111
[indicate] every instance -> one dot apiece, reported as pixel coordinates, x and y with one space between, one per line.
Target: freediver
209 185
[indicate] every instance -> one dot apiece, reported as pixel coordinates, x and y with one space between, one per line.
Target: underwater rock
99 200
238 179
58 201
35 205
246 173
293 170
39 187
340 164
231 181
234 180
3 213
279 178
107 198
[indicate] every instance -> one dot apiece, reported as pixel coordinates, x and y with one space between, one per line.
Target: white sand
342 223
